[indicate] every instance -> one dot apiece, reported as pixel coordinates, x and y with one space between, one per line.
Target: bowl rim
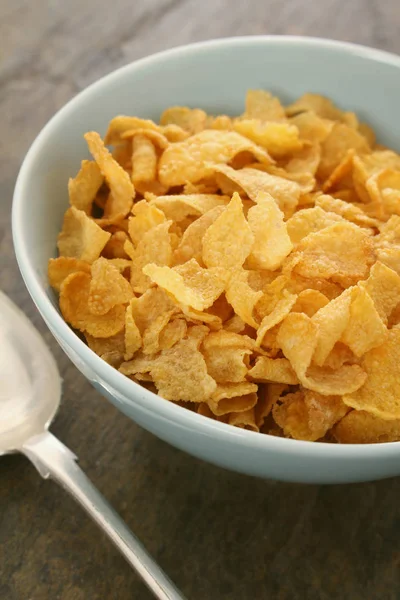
147 400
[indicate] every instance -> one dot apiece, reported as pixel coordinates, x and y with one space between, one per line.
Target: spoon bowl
30 389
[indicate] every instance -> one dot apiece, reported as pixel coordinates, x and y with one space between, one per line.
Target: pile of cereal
246 268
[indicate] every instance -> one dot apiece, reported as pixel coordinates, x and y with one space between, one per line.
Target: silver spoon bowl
30 393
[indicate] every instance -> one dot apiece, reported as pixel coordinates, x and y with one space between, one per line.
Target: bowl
215 76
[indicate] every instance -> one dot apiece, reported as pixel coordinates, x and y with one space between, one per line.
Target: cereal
248 266
80 237
229 240
121 188
271 240
83 188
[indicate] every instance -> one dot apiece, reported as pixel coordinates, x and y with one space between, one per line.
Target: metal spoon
30 391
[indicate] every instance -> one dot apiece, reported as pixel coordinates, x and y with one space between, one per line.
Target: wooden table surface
219 535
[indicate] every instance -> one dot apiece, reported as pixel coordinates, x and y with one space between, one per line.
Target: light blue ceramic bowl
215 76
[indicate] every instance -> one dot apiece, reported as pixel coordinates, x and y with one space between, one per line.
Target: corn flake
361 427
180 373
341 252
228 241
263 106
271 240
80 237
279 139
59 269
193 159
74 305
83 188
107 287
380 394
307 415
192 205
118 180
189 284
253 181
278 370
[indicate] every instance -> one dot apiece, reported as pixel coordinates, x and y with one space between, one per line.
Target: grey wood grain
219 535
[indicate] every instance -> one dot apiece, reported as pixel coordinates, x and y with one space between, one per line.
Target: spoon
30 392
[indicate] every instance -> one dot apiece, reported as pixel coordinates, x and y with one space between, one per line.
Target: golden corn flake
74 305
331 321
192 120
388 190
244 420
192 205
312 127
256 278
233 397
389 257
189 284
278 370
341 139
309 302
118 180
83 188
192 159
180 373
242 297
279 139
271 240
227 355
114 249
59 269
340 355
383 286
159 139
151 336
322 106
361 427
144 160
191 243
121 125
365 329
341 252
140 364
80 237
172 333
304 162
133 338
154 247
380 394
227 364
367 165
107 287
263 106
228 241
348 211
297 337
253 181
193 315
307 415
149 306
101 346
146 217
309 220
277 314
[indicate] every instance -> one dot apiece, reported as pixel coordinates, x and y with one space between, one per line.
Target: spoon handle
53 459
